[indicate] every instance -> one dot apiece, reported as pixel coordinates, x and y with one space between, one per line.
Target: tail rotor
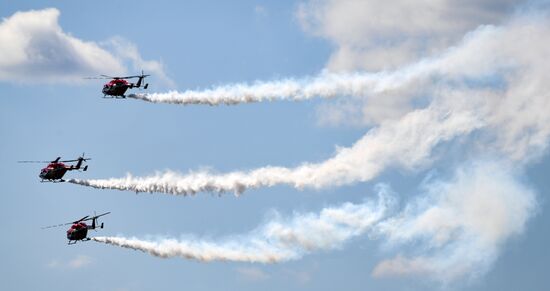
141 78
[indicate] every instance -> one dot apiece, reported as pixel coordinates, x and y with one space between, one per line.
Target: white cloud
400 266
459 226
501 70
300 276
78 262
35 49
377 34
53 264
126 50
260 11
252 273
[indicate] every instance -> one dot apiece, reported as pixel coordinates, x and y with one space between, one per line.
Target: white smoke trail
494 82
454 229
326 85
279 240
406 143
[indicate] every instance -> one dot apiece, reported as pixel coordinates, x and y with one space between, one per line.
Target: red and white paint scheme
118 86
56 169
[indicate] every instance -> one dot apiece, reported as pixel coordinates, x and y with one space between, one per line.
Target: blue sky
201 44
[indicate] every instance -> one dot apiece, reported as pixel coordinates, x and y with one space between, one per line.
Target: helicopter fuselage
78 231
54 171
116 87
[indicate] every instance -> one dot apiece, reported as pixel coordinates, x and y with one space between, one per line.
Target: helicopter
56 169
79 229
118 85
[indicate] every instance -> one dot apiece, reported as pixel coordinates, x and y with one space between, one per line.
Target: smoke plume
483 103
278 240
326 85
487 84
399 144
454 228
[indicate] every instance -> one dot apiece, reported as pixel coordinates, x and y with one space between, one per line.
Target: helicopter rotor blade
136 76
96 216
117 77
102 77
52 226
95 78
62 224
82 219
81 158
66 161
85 218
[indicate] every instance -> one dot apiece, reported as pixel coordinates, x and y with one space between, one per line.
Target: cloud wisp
78 262
386 34
456 228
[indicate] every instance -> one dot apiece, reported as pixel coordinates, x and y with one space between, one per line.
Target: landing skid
52 181
114 97
72 242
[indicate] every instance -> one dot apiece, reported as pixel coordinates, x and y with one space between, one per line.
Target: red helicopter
118 85
56 169
79 229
